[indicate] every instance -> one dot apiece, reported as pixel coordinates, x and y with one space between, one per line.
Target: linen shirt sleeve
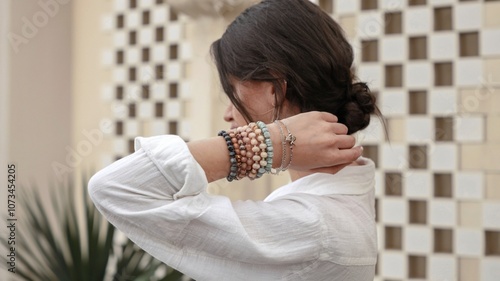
157 197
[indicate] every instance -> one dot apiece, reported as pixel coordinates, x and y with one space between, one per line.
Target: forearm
213 156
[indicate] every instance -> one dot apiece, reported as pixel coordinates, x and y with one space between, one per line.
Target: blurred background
80 79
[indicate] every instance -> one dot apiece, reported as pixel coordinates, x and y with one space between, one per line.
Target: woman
288 64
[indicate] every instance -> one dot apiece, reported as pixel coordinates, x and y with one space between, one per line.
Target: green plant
64 238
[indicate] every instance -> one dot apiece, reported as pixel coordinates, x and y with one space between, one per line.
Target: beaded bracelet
269 154
232 155
250 150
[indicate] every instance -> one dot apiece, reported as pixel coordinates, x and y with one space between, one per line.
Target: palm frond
64 238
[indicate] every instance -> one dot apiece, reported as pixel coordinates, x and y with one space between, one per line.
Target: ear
279 96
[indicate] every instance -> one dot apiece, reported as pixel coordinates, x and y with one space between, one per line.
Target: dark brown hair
294 41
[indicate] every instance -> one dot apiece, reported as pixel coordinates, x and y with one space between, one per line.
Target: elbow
96 186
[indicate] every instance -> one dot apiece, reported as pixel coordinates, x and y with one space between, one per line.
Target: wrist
277 144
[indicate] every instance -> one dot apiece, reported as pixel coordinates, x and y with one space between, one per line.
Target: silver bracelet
291 141
283 145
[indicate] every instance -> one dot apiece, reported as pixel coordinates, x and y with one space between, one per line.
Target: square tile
442 268
469 44
493 186
417 212
119 110
393 22
443 74
468 72
417 21
370 24
346 6
469 242
418 75
417 47
469 268
469 128
443 128
394 102
443 46
107 23
107 93
470 214
419 129
349 24
443 240
393 48
174 109
490 40
394 75
393 236
483 156
159 15
442 213
185 51
418 240
120 146
396 129
443 17
468 16
417 266
133 19
491 71
145 36
145 110
120 5
174 70
393 211
480 100
159 127
159 53
469 185
491 215
443 157
443 101
393 265
119 75
490 269
417 184
132 55
392 5
418 102
490 14
394 156
119 38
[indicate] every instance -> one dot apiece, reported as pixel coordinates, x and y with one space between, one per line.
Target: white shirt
319 227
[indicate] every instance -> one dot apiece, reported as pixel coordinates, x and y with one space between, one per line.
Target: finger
348 155
339 129
345 142
329 117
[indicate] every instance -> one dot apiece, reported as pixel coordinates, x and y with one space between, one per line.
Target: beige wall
39 89
35 78
88 76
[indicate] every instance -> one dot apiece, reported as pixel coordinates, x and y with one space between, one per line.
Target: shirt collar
352 180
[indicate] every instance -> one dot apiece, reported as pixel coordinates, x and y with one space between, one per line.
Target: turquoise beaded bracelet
269 149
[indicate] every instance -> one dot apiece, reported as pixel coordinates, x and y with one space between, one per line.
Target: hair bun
358 110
